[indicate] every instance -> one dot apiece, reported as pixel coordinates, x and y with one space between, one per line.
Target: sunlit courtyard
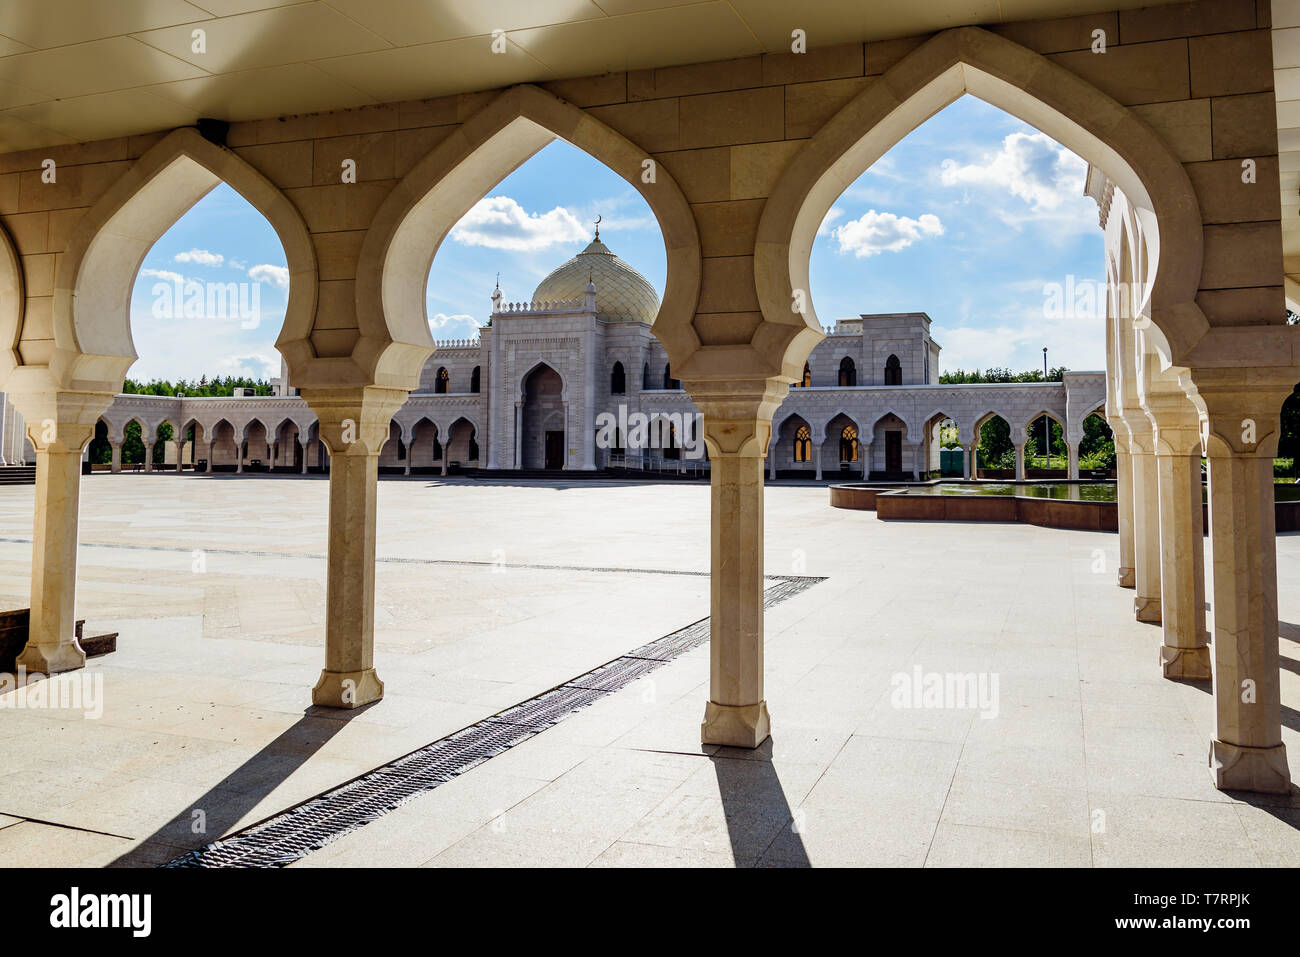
1075 751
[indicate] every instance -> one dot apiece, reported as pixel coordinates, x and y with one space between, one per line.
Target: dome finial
598 219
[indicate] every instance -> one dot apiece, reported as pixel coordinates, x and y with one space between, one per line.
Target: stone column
354 425
1073 448
117 456
817 453
1242 410
180 452
239 454
59 425
1124 508
302 469
864 453
519 440
737 430
1184 652
149 441
771 464
916 461
972 461
1146 520
1020 462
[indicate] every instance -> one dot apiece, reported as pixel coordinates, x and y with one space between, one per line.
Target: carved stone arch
13 300
401 242
93 347
908 428
1025 84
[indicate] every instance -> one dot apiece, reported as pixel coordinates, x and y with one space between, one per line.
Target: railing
657 463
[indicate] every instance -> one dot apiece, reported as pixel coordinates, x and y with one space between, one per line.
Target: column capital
354 421
1241 408
61 421
1176 424
737 413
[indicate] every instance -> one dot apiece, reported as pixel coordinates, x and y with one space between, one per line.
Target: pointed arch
617 380
417 215
93 347
1027 85
13 299
908 429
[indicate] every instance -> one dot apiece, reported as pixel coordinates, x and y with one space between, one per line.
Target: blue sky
967 218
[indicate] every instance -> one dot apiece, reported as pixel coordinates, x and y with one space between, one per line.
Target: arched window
473 443
442 382
848 372
669 381
807 376
803 444
474 380
617 380
849 443
645 377
893 371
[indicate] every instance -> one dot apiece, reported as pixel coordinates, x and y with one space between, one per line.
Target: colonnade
736 322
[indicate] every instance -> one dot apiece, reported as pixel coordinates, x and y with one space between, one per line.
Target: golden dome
622 293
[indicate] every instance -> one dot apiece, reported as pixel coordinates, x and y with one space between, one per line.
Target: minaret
496 296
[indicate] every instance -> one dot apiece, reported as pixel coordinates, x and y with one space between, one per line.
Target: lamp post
1047 425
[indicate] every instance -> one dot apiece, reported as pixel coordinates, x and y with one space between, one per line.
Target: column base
1191 663
1127 578
1147 609
1235 767
347 689
735 726
66 656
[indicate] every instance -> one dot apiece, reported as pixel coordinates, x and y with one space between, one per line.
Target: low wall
1047 512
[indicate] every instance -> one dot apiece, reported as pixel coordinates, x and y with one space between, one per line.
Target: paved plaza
488 594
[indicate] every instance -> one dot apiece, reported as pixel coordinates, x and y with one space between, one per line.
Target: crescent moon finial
598 219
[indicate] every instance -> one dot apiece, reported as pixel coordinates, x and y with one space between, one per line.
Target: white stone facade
530 392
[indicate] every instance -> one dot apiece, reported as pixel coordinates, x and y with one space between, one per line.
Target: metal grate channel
293 834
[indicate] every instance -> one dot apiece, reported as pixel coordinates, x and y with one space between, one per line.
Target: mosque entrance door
554 450
893 451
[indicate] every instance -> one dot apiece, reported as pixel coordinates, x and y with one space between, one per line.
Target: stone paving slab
1092 759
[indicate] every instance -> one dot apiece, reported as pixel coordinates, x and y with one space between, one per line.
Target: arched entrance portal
542 441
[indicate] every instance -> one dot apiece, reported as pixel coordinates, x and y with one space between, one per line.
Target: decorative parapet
541 307
445 344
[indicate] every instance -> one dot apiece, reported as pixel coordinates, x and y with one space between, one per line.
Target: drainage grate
309 826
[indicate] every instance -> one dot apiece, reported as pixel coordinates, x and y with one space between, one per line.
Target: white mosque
562 380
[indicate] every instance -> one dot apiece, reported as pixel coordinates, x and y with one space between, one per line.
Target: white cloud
832 214
164 274
1015 341
874 232
1031 166
458 326
201 256
258 365
498 222
277 276
237 264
